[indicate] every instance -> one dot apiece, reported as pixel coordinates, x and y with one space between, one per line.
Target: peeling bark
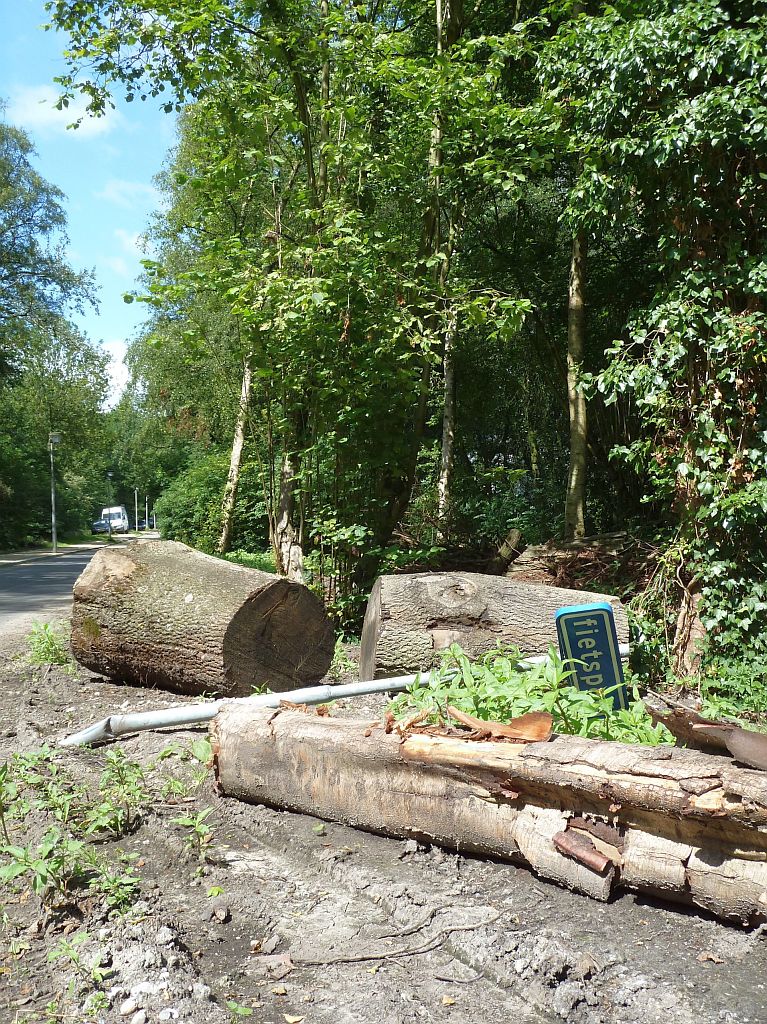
575 502
593 816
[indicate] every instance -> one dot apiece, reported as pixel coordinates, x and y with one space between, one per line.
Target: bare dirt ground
287 919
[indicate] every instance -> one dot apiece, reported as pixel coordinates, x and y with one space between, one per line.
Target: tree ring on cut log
158 613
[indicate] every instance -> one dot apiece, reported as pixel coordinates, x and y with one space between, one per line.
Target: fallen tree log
594 816
411 619
158 613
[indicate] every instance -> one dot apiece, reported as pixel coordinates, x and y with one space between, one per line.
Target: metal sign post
588 639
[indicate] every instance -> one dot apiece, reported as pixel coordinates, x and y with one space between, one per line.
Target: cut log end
277 629
160 614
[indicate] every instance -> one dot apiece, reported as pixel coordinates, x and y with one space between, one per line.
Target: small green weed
52 1013
96 1004
238 1010
118 885
342 664
47 645
174 789
123 793
69 950
199 835
201 751
494 689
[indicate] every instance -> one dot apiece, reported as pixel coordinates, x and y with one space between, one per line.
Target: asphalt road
39 586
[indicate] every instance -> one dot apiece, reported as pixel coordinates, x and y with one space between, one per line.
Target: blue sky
105 169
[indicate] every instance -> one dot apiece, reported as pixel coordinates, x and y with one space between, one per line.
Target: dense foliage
51 378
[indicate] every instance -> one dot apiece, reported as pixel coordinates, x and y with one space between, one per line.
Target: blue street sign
587 637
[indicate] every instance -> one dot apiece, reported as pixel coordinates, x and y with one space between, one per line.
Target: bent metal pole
195 714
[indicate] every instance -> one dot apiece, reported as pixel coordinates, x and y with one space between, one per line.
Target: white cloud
118 266
130 241
119 373
33 108
128 194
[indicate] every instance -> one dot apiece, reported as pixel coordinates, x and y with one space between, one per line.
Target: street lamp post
54 438
135 508
109 501
146 510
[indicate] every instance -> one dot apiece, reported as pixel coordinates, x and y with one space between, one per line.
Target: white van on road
117 518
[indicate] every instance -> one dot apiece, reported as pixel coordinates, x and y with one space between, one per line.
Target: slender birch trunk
235 463
575 501
448 427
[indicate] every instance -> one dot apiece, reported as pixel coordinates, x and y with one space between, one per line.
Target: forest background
424 273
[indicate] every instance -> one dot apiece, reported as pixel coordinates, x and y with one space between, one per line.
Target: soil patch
277 917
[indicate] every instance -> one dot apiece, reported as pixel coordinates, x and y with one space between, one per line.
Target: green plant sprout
9 792
47 645
199 834
341 663
238 1010
494 689
123 795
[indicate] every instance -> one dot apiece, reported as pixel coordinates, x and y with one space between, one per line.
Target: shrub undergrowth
493 688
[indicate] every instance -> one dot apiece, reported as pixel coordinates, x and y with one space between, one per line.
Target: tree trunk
513 545
233 479
689 632
449 26
590 815
448 428
411 619
158 613
286 541
575 501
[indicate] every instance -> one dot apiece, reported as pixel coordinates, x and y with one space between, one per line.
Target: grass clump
494 689
263 560
47 644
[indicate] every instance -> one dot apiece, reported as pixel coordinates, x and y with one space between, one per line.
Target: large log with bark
594 816
411 619
158 613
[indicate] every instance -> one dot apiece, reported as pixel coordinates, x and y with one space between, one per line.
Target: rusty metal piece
581 848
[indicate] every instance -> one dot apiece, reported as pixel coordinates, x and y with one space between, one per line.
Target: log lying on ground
158 613
411 619
593 816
